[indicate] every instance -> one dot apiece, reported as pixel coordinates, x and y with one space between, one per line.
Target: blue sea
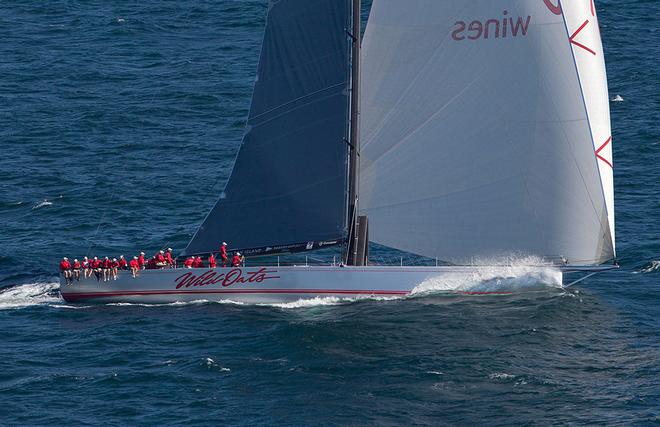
119 121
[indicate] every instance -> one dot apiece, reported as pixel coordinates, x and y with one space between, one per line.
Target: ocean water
118 125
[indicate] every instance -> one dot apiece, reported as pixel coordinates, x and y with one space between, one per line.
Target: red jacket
65 265
198 263
76 264
212 263
96 263
141 260
134 263
107 263
122 262
168 258
160 258
236 261
188 262
114 264
223 252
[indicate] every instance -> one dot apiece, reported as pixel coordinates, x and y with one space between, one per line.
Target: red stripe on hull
72 297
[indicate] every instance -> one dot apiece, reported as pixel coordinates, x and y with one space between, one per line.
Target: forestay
288 187
476 141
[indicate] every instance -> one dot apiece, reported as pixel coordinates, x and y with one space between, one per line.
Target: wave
29 295
651 267
617 98
494 279
42 204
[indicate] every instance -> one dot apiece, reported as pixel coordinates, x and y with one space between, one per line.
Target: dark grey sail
288 189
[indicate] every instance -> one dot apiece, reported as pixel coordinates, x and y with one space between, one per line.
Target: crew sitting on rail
212 262
107 267
122 263
141 261
114 268
135 266
197 263
65 269
237 260
76 269
86 267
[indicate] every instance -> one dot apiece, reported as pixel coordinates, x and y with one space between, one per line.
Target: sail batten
289 184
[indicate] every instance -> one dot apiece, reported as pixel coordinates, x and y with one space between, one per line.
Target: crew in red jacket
135 266
223 254
212 263
76 269
114 268
141 262
151 264
188 263
122 263
198 262
65 269
237 260
160 259
169 259
107 267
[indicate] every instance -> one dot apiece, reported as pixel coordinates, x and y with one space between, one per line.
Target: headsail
476 142
288 187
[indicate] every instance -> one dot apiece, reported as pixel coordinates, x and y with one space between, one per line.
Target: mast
353 243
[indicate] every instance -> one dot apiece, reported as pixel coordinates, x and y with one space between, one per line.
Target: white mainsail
582 23
476 142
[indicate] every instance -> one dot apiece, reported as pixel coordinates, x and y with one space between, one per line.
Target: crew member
135 266
96 265
122 263
212 263
65 269
223 254
152 264
169 258
237 260
198 262
188 263
141 262
114 268
76 269
107 266
160 259
87 267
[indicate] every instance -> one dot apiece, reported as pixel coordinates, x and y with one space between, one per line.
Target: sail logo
503 27
233 276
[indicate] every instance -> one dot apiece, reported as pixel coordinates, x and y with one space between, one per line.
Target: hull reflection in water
286 284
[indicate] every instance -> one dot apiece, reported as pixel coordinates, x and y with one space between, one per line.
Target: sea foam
28 295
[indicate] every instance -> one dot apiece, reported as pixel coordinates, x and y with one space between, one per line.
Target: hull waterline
286 284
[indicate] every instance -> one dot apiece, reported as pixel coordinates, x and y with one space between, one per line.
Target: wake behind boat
483 130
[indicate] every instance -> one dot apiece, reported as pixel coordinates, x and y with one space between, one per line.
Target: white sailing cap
135 257
224 243
238 253
141 253
65 259
169 249
162 252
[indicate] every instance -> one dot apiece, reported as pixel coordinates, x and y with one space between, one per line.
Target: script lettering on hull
231 277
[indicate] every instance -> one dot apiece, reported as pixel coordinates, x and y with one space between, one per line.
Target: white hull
285 284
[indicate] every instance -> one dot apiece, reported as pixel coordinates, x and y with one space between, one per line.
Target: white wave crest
617 98
494 279
650 267
28 295
326 301
41 204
